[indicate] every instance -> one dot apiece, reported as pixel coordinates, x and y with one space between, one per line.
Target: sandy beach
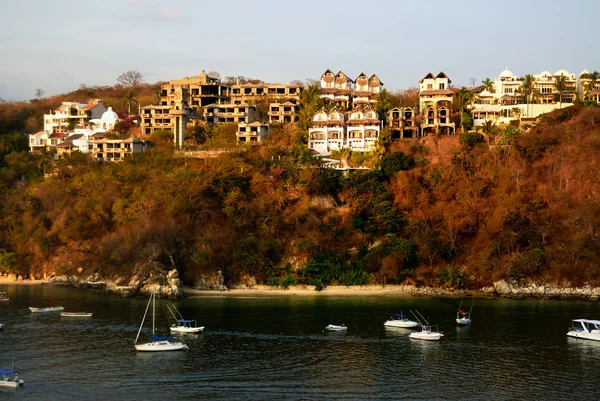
8 281
366 291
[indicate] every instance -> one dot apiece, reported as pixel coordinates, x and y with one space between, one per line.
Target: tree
157 97
131 78
489 129
297 82
488 84
384 105
528 89
214 74
39 93
129 100
464 96
473 81
311 102
561 86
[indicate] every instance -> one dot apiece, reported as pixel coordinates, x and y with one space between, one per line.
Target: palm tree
129 100
528 89
489 129
488 84
157 97
561 86
517 112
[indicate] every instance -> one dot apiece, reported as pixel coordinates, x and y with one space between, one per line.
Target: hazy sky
58 45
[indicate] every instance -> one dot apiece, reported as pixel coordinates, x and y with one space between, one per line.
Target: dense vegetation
450 211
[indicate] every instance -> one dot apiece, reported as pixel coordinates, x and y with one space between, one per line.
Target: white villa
78 113
506 102
332 131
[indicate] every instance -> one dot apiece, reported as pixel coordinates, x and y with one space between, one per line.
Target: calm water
259 348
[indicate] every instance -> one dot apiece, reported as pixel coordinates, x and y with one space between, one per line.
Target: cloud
144 10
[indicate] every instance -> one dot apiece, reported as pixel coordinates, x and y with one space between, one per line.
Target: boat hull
426 336
52 309
463 322
75 314
158 346
183 329
11 383
584 335
333 327
399 323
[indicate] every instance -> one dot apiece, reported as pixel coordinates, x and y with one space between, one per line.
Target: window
429 86
442 86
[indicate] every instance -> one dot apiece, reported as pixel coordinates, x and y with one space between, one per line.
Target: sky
58 45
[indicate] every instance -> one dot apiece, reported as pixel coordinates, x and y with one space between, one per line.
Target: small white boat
463 318
182 325
9 378
585 329
76 314
333 327
158 343
428 331
49 309
3 297
400 320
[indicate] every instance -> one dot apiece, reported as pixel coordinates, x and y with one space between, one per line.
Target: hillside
456 212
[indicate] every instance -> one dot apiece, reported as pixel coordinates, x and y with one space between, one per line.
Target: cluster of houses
82 128
348 120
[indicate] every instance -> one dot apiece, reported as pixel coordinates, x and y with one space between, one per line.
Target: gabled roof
328 71
91 106
345 76
375 76
443 75
428 76
57 135
361 75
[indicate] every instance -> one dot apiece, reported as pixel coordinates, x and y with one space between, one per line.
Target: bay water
275 348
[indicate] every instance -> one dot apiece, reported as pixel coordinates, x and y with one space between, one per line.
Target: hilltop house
435 103
72 114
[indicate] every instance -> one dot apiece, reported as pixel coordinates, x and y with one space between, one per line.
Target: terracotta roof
362 93
90 106
57 135
76 136
328 90
594 92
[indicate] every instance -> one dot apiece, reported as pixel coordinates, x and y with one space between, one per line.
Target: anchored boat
585 329
158 343
463 318
333 327
49 309
428 331
401 320
182 325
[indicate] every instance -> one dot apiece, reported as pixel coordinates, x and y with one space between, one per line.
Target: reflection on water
276 348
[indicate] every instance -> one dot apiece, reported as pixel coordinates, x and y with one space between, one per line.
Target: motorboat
585 329
3 297
49 309
9 378
463 318
428 331
182 325
76 314
400 320
157 343
334 327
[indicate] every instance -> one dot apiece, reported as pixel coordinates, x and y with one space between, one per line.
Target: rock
502 287
593 298
541 290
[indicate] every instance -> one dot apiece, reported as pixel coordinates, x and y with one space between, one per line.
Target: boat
428 331
463 318
9 378
157 343
76 314
400 320
333 327
1 324
182 325
585 329
3 297
49 309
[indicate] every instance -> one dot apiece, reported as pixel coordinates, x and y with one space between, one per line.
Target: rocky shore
170 286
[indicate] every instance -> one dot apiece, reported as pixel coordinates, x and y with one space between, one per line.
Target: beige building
229 113
286 112
254 93
366 90
251 133
172 117
403 122
336 88
201 90
435 103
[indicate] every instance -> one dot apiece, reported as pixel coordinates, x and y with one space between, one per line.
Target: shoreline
7 281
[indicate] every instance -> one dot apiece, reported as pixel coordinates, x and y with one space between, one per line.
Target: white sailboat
158 343
463 318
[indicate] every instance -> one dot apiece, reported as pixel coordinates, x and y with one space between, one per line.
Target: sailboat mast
143 320
153 310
